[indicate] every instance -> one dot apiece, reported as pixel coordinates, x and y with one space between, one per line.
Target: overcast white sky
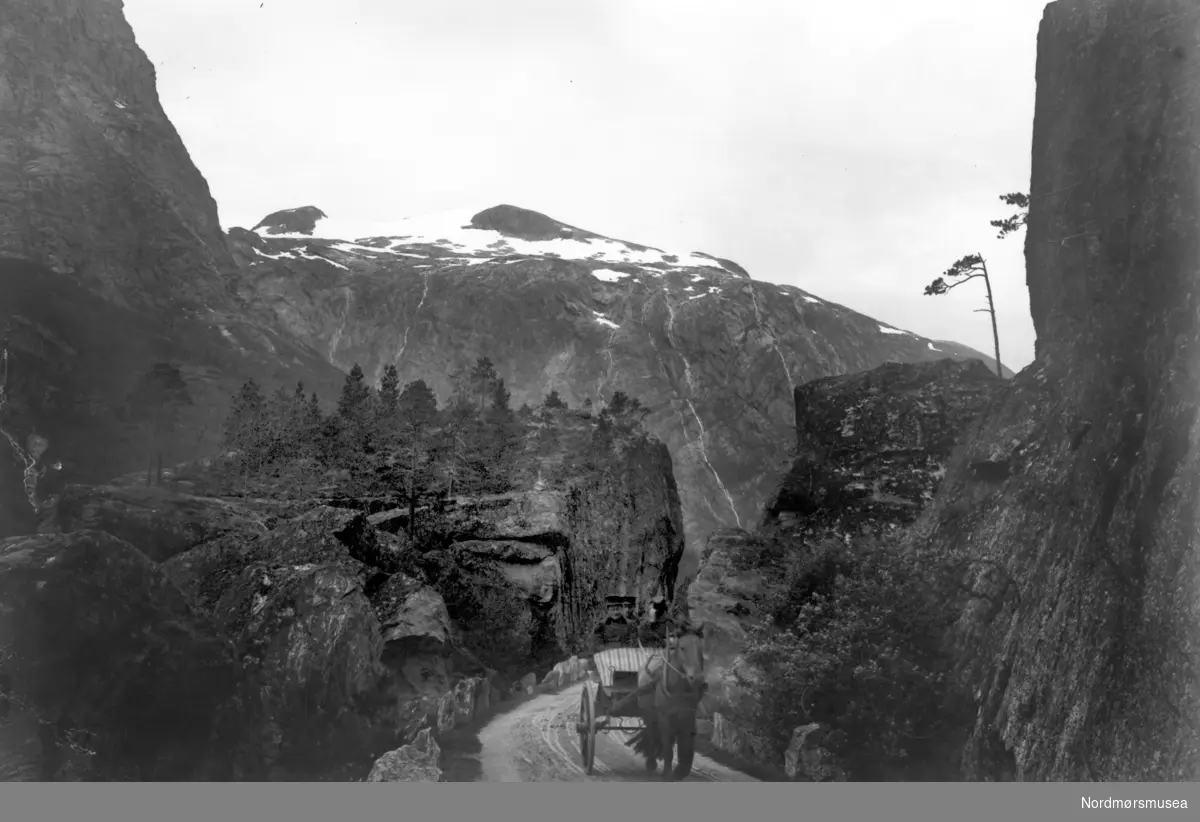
852 149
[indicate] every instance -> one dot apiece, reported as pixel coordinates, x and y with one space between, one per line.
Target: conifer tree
355 393
389 391
482 381
354 418
244 426
416 412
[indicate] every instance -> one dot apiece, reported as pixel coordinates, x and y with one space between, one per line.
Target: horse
670 686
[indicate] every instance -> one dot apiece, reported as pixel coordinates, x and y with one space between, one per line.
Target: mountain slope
714 354
111 256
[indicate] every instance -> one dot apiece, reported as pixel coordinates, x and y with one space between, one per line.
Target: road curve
536 742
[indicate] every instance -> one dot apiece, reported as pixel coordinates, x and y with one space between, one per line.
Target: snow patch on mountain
603 320
887 330
608 275
452 231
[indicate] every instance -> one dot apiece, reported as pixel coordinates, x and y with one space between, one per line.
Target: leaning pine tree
973 266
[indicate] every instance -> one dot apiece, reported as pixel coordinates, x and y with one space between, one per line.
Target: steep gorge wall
594 515
98 197
94 180
1083 642
627 534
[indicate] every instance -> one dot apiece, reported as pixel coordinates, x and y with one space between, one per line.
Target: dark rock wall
1082 643
871 447
626 531
94 180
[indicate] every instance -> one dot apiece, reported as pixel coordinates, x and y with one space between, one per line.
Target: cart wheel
587 729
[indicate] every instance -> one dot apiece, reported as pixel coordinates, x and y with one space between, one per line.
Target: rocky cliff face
94 180
871 452
871 447
595 514
319 634
1083 642
713 354
214 639
111 256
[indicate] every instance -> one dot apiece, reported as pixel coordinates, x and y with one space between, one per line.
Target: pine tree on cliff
626 412
416 413
155 403
553 400
973 266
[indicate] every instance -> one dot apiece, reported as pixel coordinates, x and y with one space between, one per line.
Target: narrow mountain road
537 742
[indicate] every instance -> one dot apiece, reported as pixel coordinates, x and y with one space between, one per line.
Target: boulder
295 604
414 762
409 609
98 642
159 522
311 644
805 760
322 536
461 704
527 683
872 446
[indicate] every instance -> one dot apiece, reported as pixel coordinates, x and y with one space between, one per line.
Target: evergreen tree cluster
398 440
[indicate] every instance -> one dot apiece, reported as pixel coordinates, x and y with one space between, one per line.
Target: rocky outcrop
159 522
1082 640
303 645
415 762
328 633
805 760
725 595
871 450
871 447
598 516
122 675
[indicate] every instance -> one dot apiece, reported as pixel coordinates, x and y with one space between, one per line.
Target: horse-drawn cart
609 698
